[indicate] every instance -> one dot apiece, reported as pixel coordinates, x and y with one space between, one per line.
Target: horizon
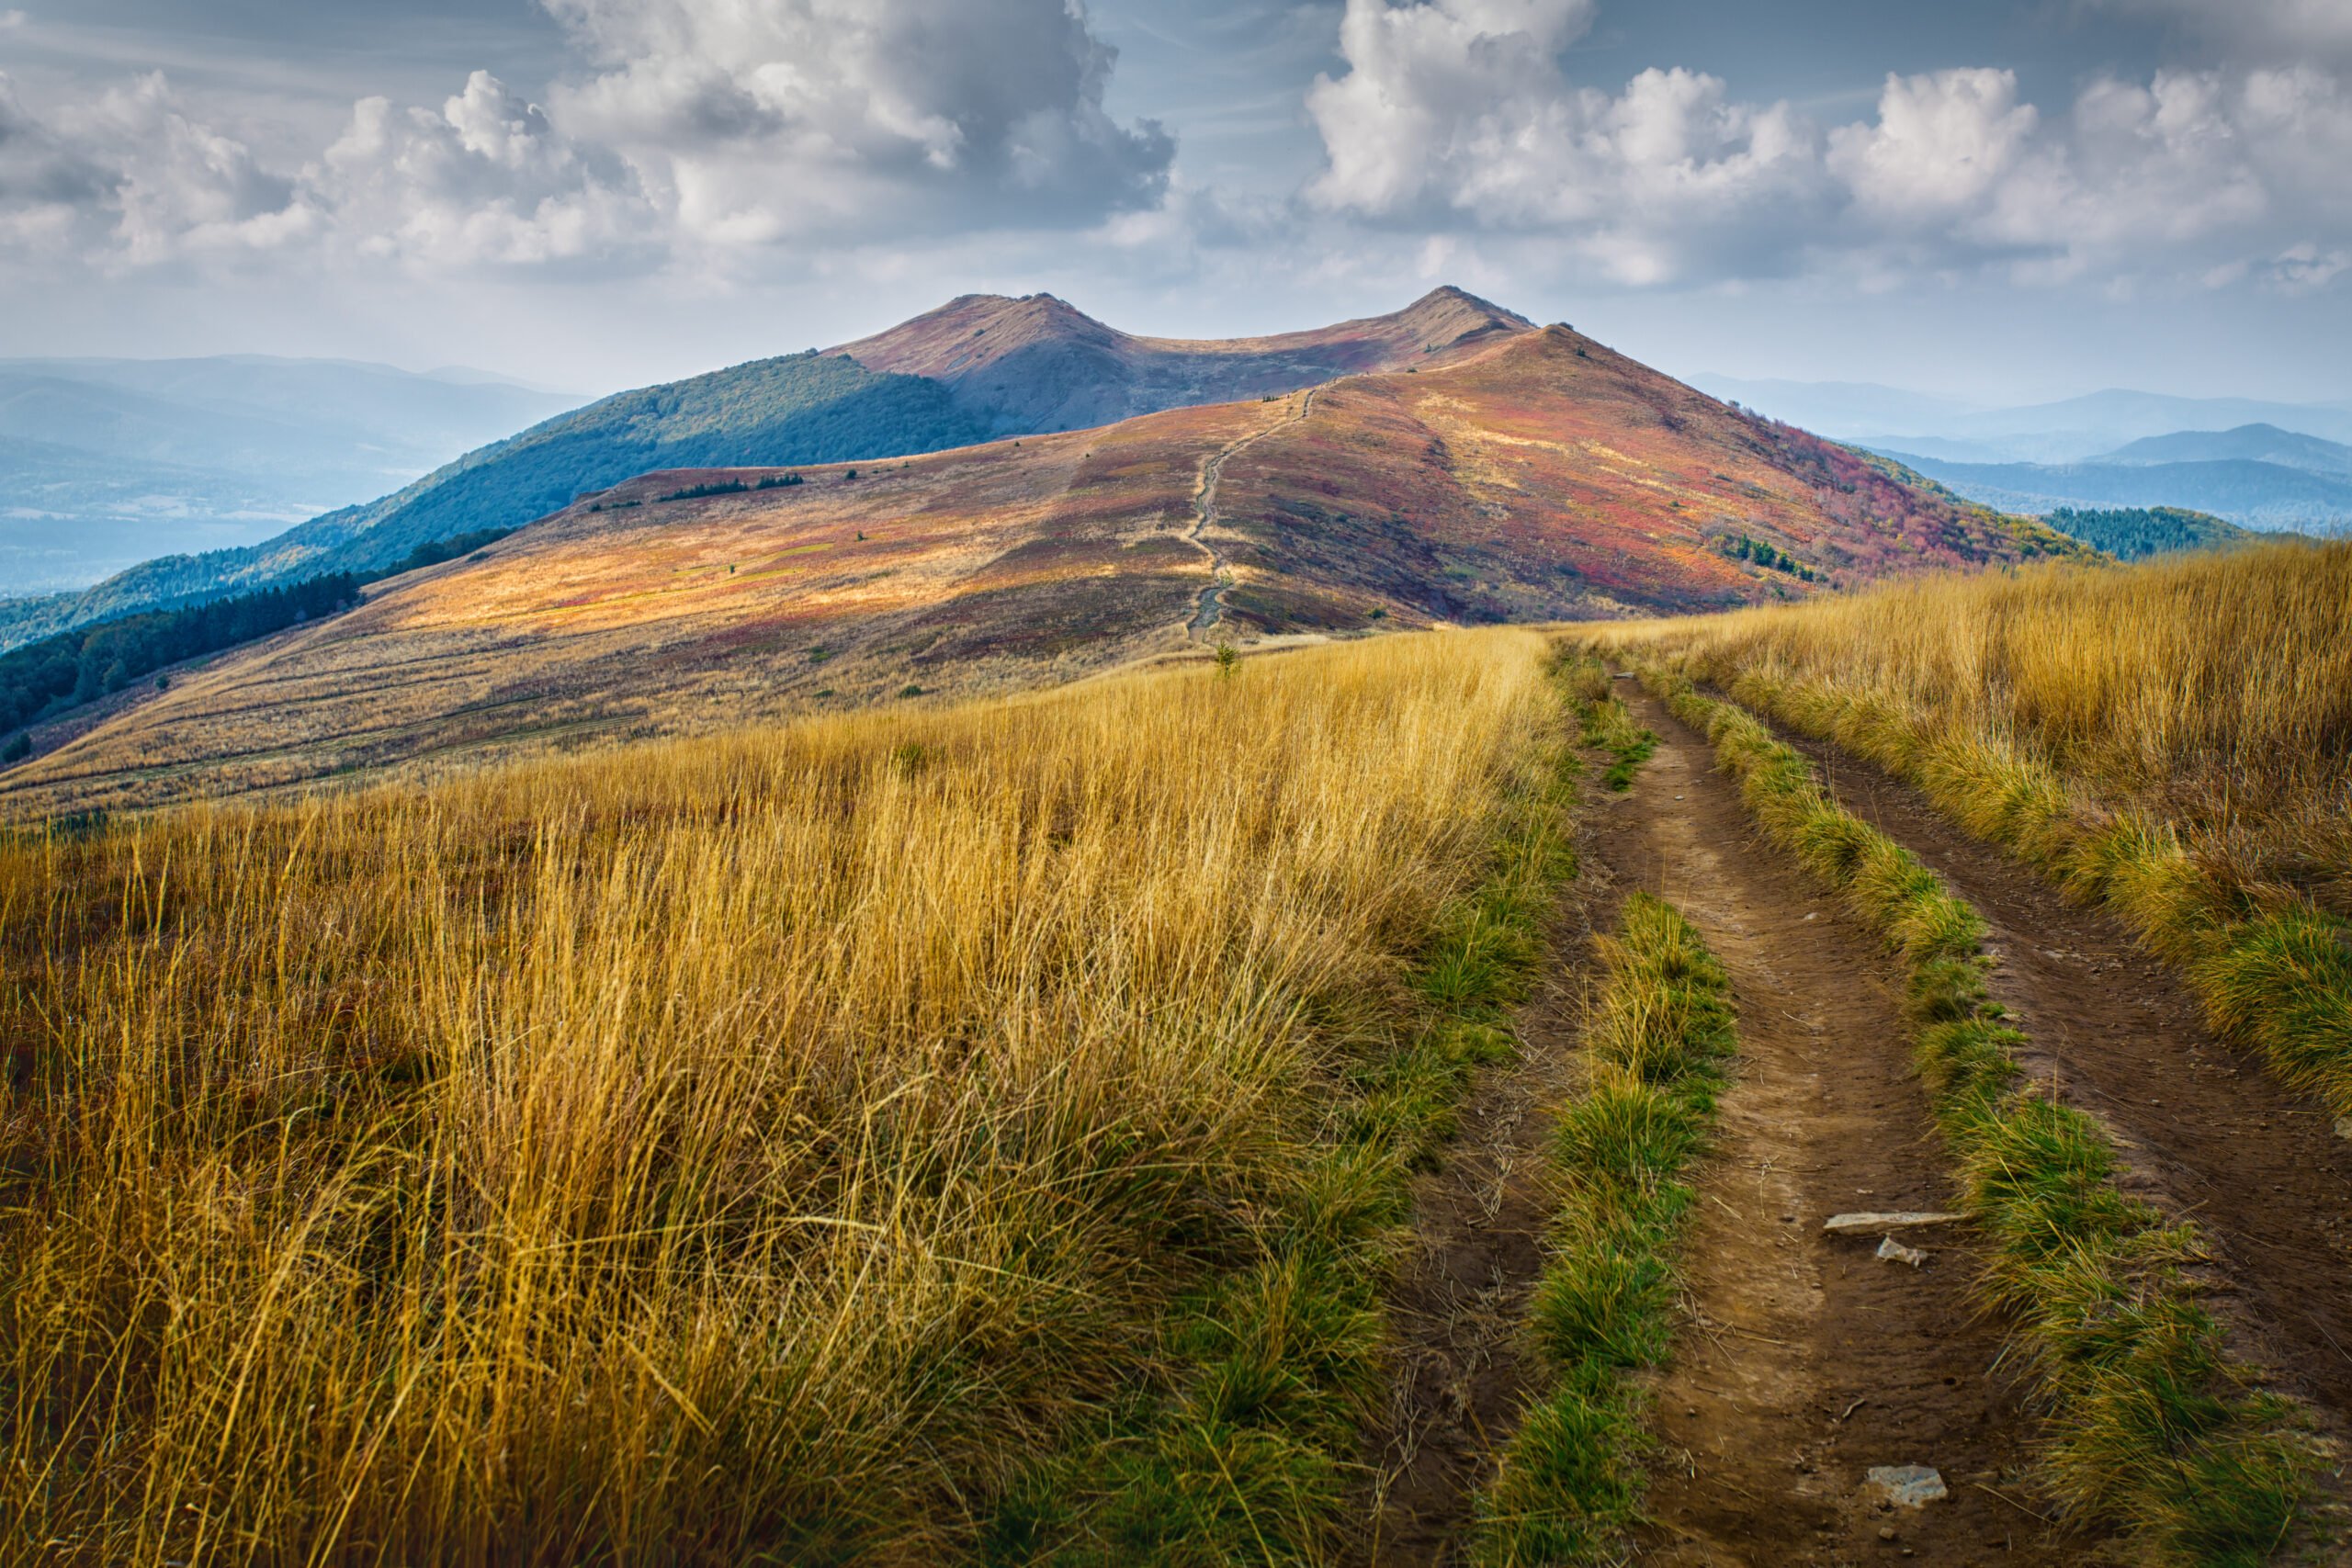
1960 404
2018 205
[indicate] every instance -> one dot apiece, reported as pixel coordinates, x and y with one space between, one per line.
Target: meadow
961 1131
2173 740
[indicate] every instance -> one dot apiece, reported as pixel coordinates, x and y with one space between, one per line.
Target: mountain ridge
1035 363
1062 370
1538 475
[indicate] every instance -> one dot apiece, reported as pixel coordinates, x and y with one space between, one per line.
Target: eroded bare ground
1458 1313
1805 1360
2209 1132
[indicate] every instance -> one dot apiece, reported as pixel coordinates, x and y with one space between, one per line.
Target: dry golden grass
2174 739
757 1148
2213 692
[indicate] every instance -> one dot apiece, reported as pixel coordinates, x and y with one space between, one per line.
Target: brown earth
1458 1313
1806 1360
2209 1132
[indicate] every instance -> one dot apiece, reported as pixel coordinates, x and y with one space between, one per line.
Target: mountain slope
982 366
802 408
2248 442
1540 477
2250 495
2137 533
1036 365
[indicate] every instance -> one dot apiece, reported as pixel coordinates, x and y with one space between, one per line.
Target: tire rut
1805 1360
1458 1312
2209 1132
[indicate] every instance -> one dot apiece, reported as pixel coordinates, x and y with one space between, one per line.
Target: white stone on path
1912 1486
1893 1251
1854 1224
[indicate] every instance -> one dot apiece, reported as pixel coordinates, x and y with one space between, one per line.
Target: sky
2001 201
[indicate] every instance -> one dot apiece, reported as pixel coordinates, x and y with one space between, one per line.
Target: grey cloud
1459 111
782 119
701 132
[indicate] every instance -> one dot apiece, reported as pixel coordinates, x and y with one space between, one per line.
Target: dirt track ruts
1458 1313
2208 1131
1805 1360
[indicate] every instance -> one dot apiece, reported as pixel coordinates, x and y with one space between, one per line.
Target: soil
2208 1132
1803 1360
1806 1360
1458 1312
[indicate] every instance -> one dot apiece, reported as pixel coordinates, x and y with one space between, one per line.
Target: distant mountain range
2256 476
2074 430
1485 470
104 463
2259 465
979 366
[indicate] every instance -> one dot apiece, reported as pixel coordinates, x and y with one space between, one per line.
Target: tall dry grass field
2174 738
760 1148
2213 691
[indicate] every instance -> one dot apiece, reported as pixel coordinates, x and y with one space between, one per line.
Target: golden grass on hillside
728 1150
2174 738
2214 691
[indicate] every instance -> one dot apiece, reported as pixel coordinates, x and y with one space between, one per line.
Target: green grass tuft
1569 1484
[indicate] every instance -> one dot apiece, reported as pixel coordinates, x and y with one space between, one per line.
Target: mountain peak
1037 363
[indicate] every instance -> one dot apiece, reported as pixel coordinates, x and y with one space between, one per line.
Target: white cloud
133 177
1941 147
1459 111
1458 108
701 130
2304 269
486 181
769 120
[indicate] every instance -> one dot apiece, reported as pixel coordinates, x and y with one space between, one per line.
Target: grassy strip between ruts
1607 723
2273 971
2151 1427
1240 1444
1569 1484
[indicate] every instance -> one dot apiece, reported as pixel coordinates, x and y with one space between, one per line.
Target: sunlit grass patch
774 1147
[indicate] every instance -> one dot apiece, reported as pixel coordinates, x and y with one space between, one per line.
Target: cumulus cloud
485 180
1459 107
761 120
695 129
133 175
1459 110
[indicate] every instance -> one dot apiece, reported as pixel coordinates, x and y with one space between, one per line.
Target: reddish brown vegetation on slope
1543 477
1037 364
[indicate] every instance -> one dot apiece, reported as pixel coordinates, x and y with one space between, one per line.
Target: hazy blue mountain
107 463
2074 430
2248 443
2250 495
802 408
